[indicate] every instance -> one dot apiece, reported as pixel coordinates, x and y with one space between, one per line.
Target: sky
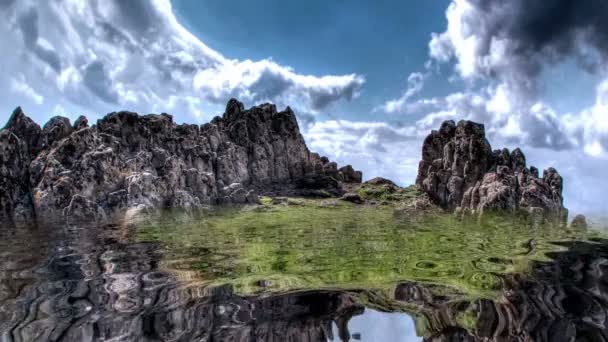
367 80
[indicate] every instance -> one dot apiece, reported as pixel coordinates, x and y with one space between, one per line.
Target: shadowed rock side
460 172
132 162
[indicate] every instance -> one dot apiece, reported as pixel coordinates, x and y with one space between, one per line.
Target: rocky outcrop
144 162
19 143
460 172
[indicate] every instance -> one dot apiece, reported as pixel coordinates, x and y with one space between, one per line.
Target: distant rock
579 222
460 172
381 181
131 162
349 175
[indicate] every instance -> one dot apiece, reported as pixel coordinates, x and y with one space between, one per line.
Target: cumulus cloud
513 40
415 83
590 127
499 49
267 81
378 148
136 55
18 85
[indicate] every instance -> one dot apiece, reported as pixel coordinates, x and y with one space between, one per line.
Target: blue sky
368 80
384 42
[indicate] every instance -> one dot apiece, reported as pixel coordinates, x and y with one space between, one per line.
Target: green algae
332 244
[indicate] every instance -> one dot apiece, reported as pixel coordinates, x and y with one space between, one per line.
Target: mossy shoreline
289 244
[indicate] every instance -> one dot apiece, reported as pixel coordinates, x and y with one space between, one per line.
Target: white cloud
384 149
415 83
499 55
498 51
19 86
136 55
590 126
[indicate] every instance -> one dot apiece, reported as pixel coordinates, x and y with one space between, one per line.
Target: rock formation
140 162
460 172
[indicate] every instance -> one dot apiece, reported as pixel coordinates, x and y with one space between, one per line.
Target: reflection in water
374 325
85 283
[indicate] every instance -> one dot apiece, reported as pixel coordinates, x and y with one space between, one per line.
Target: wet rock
460 172
579 222
80 208
147 162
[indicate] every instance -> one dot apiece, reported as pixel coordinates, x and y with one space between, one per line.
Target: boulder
460 172
352 197
131 162
348 175
579 222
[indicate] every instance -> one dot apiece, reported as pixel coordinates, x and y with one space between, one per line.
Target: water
307 272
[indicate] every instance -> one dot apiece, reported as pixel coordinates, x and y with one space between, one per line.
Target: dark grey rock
460 172
57 128
349 175
130 162
81 122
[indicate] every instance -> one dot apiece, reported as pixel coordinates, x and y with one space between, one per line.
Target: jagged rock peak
233 109
57 128
131 162
81 122
460 172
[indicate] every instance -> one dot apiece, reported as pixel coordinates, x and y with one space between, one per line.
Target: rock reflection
94 287
562 300
96 283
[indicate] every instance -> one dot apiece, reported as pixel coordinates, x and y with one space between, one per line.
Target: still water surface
302 273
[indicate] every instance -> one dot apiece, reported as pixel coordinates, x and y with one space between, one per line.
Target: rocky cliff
129 162
460 172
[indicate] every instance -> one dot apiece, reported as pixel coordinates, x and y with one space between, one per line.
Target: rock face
460 172
132 162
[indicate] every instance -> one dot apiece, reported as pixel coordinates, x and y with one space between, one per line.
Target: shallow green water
309 271
312 246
